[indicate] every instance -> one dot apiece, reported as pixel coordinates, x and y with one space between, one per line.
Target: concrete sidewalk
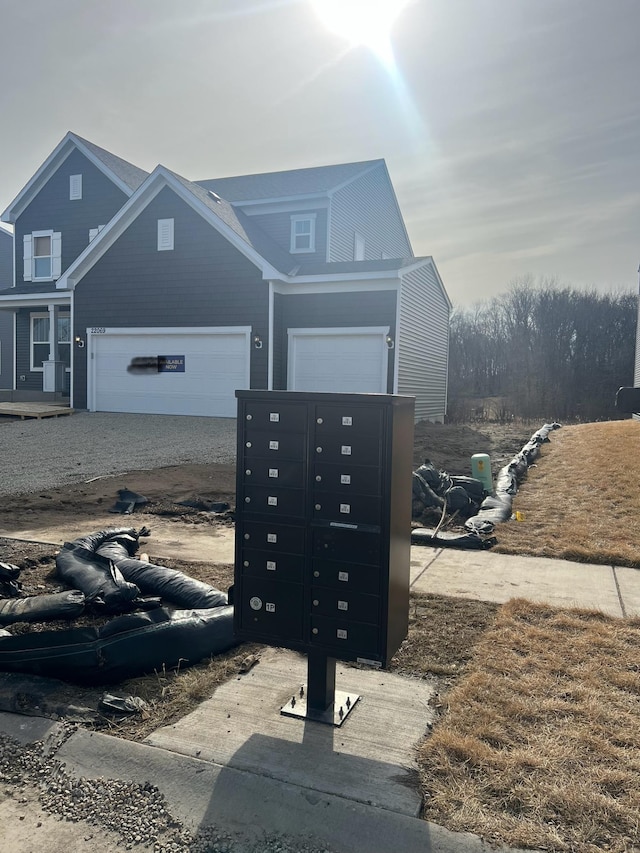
237 763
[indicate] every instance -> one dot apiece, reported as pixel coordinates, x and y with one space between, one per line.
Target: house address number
98 330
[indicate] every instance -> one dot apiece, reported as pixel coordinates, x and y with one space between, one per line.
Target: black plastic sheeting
42 608
130 644
431 488
446 539
123 648
497 507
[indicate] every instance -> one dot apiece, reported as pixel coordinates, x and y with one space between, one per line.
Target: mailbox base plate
334 715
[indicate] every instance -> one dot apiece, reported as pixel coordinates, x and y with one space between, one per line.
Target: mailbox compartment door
273 537
348 638
353 606
346 546
273 565
346 577
271 608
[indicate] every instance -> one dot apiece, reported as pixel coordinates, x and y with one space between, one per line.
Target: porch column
53 369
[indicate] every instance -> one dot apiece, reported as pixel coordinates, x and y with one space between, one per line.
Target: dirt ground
449 447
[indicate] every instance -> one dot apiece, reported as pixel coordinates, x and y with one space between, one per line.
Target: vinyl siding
6 317
423 343
52 209
328 310
203 281
368 206
278 227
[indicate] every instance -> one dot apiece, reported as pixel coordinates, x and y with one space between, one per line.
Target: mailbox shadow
272 785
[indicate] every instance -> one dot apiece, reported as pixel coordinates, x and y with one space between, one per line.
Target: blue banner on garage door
171 363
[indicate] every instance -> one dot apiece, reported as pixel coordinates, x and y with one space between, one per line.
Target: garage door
168 371
350 360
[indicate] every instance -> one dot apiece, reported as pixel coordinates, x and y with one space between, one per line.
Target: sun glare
362 22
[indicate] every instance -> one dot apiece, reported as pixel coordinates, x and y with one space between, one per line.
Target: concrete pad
169 539
370 759
487 576
421 559
629 589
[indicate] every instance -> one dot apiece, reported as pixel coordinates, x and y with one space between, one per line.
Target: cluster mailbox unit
323 532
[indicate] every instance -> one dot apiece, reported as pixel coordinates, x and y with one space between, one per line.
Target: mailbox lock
247 500
315 602
316 574
318 506
246 563
249 417
318 478
248 472
318 450
314 630
319 420
248 444
247 536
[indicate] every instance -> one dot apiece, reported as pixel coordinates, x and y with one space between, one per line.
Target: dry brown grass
540 746
582 499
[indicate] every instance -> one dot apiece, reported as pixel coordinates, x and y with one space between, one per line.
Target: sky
510 128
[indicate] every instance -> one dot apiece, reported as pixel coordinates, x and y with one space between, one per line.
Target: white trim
15 353
165 235
46 315
396 353
270 344
293 205
376 164
345 331
25 300
359 246
34 234
337 285
156 330
302 217
53 162
75 187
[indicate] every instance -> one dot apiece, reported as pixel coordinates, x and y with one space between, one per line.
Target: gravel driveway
51 452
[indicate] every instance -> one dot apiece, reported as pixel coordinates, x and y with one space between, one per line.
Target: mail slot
275 446
266 564
342 604
276 417
267 472
345 478
272 537
345 636
352 449
346 576
354 508
323 522
347 420
267 500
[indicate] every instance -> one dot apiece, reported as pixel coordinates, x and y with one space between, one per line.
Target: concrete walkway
236 762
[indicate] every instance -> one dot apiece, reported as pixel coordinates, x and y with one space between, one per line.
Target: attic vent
215 196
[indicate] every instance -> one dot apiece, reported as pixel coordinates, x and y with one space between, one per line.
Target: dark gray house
150 293
6 319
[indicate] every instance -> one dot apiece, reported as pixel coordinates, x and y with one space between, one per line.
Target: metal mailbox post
323 532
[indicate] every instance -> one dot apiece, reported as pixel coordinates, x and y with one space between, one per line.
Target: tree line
550 352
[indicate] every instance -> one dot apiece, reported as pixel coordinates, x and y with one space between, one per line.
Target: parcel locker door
271 609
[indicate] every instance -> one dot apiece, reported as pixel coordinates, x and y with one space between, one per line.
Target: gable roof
124 175
257 246
273 186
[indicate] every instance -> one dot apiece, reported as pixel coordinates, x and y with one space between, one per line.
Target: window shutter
27 256
165 235
75 187
56 254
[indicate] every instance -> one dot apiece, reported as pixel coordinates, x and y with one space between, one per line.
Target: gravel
137 814
52 452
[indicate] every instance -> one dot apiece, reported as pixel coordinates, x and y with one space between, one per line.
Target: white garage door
168 371
350 360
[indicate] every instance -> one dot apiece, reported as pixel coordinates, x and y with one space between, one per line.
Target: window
75 187
358 247
40 340
303 233
42 255
165 235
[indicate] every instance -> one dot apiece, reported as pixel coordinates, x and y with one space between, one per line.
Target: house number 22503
98 330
